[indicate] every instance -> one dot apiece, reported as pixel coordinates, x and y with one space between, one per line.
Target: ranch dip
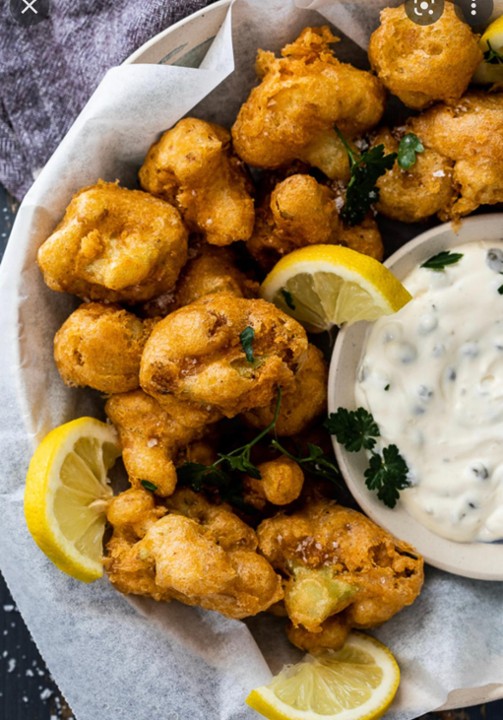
432 377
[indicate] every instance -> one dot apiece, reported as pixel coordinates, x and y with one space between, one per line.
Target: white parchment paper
138 660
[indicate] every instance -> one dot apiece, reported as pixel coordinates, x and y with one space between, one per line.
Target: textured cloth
49 70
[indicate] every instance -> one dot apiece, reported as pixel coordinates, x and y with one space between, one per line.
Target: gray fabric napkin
52 60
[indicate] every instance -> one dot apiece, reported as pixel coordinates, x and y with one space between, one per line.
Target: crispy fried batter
152 436
469 134
415 194
192 166
291 114
365 238
300 211
198 553
302 403
421 64
197 354
281 483
100 346
115 245
337 560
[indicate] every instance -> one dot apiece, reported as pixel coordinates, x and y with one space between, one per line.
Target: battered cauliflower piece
302 403
469 134
339 563
100 346
197 354
422 64
364 238
281 483
300 211
415 194
192 167
152 436
115 245
198 554
291 114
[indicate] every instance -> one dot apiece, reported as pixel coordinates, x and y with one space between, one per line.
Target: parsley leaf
387 471
246 339
149 485
409 146
387 475
365 169
355 429
493 57
439 261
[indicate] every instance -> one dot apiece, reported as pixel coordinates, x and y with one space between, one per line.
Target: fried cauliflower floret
197 353
339 561
291 114
115 245
100 346
300 211
198 554
192 166
302 403
151 436
364 238
468 134
414 194
280 483
422 64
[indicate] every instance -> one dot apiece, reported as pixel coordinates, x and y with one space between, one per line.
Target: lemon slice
357 682
492 39
67 492
326 285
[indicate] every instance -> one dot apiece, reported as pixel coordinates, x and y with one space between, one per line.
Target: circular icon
476 12
29 12
424 12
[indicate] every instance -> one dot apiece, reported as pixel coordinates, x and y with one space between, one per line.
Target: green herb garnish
365 169
408 148
287 296
149 485
441 260
493 57
246 339
220 475
387 471
500 290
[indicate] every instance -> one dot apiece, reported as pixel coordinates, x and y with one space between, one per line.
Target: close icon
29 12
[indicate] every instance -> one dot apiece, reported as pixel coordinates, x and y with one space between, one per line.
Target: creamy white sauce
432 377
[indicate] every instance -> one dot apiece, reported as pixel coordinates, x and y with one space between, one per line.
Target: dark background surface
27 690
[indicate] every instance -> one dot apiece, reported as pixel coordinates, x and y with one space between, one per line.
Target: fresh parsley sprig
223 475
408 148
362 191
246 339
440 261
387 471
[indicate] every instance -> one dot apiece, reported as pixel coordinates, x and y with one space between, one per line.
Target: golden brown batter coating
115 245
152 436
192 166
198 554
281 483
415 194
469 134
300 211
364 238
291 114
100 346
422 64
196 353
339 561
302 403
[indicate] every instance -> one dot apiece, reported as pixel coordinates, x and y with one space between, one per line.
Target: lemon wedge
326 285
357 682
67 492
492 39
